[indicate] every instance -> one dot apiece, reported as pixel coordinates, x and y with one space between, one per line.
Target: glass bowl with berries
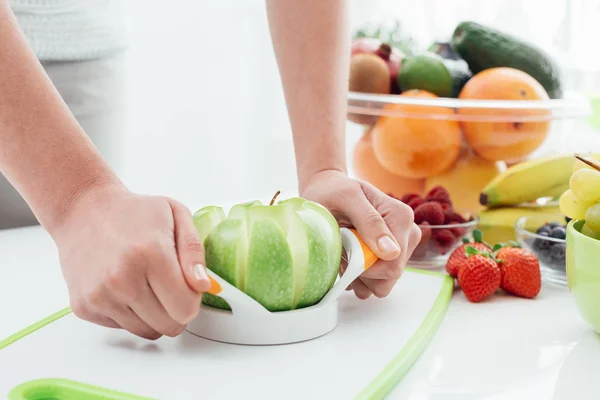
442 227
547 240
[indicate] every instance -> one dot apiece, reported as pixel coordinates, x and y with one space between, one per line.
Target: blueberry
558 233
554 224
544 228
541 243
546 255
558 251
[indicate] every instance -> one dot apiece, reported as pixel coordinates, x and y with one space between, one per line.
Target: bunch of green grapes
582 200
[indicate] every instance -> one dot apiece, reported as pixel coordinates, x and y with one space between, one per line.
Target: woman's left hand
385 224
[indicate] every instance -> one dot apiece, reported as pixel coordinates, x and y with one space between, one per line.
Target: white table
504 348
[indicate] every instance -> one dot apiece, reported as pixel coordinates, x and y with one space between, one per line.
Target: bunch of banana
513 194
529 181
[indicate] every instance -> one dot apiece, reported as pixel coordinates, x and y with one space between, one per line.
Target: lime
427 72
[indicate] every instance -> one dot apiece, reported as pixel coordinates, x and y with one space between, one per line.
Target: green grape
585 185
587 231
592 217
572 207
580 165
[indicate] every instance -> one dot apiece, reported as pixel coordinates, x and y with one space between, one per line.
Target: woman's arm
130 261
311 42
44 152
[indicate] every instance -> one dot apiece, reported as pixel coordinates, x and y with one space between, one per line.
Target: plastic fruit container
412 142
436 245
550 251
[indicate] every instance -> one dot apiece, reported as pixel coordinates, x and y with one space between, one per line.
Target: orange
419 143
368 169
519 134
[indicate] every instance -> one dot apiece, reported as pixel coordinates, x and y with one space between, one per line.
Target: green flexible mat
381 386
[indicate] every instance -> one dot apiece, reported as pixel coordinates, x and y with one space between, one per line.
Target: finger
130 321
380 287
373 229
190 250
361 290
86 313
167 281
384 270
151 311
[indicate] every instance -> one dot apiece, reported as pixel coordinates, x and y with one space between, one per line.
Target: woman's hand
385 224
133 262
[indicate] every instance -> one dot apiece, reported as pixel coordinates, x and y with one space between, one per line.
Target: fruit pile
481 270
406 148
442 227
582 200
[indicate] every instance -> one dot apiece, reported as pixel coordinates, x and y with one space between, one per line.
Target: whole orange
368 169
418 141
515 133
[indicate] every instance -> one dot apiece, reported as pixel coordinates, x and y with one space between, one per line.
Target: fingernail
200 272
387 245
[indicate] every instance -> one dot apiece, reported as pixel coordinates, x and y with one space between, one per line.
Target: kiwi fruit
369 73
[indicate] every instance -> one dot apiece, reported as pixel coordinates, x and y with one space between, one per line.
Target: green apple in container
285 256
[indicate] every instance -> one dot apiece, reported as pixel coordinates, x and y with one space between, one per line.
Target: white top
72 29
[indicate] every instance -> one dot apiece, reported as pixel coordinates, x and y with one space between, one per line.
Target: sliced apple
206 219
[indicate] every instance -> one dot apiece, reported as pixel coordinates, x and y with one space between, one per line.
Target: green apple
285 256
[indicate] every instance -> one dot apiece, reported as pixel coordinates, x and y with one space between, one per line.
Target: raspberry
444 237
446 206
452 217
440 194
408 197
431 212
415 202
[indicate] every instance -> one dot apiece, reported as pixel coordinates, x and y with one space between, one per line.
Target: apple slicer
250 323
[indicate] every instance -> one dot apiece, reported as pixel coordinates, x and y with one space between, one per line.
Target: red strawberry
430 212
480 276
408 197
439 194
415 202
520 272
459 255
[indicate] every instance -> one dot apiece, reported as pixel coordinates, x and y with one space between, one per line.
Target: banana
498 224
530 180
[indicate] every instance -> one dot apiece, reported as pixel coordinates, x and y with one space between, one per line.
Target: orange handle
215 287
370 257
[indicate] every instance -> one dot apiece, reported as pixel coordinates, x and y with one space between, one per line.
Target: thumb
372 229
190 249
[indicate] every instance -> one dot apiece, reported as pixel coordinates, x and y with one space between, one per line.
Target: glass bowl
405 144
551 252
437 244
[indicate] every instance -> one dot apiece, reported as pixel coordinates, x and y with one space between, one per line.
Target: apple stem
589 162
385 51
274 197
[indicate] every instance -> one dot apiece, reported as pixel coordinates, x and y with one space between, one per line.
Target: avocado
460 73
483 47
427 72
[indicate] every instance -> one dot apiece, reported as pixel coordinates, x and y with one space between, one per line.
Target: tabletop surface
503 348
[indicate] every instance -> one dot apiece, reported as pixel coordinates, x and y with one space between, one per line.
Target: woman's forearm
311 44
44 152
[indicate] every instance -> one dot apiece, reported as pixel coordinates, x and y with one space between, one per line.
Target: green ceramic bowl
583 272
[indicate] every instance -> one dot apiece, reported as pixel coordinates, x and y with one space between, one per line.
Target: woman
135 262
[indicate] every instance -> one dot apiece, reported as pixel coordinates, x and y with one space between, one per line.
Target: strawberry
439 194
459 255
480 276
415 202
431 212
520 271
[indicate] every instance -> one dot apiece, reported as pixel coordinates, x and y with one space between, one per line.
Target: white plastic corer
249 323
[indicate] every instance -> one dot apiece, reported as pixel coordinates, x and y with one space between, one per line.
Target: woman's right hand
131 261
